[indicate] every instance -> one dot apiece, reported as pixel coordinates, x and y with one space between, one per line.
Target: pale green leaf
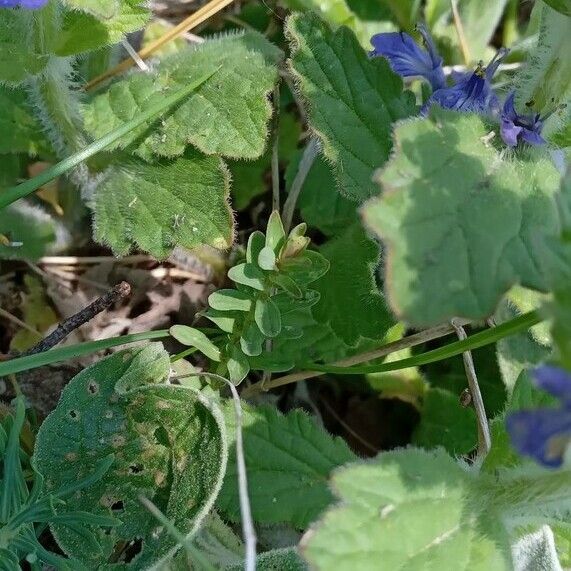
352 100
480 19
407 509
158 206
192 337
226 115
230 300
289 459
249 275
237 365
140 424
350 300
454 249
268 318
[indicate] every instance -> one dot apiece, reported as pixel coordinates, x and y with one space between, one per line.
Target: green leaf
21 133
119 407
406 509
99 8
454 250
21 50
173 202
230 300
32 232
248 275
275 233
350 300
523 350
480 18
223 319
195 338
237 365
256 243
107 21
283 559
252 340
563 6
444 422
321 206
267 259
268 318
333 74
226 115
289 458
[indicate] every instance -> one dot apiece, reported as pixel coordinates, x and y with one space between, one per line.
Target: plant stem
20 191
484 438
307 160
275 151
521 323
64 353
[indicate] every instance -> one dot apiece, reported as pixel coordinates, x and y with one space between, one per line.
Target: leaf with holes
351 302
461 222
352 100
289 459
169 445
173 202
226 115
418 510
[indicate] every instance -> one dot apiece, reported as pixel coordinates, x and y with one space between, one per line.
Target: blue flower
544 433
27 4
472 92
408 59
514 127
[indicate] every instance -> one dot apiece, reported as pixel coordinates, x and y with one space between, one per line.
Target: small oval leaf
268 317
248 275
195 338
229 300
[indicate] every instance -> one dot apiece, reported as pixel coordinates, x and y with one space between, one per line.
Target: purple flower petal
524 127
555 381
472 92
27 4
408 59
542 434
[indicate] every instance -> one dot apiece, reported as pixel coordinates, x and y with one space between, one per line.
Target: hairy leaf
168 444
21 133
407 509
107 21
226 115
461 223
21 51
352 101
288 459
158 206
350 300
